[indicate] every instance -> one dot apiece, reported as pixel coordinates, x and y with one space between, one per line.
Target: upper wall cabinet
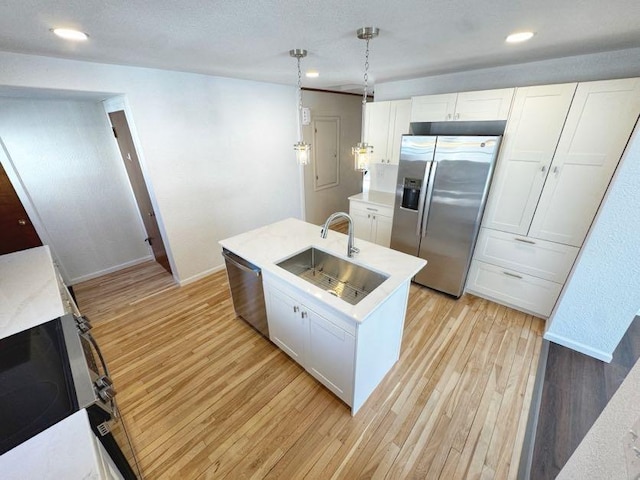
464 106
385 123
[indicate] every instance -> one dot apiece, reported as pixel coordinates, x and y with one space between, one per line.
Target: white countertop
383 199
29 290
67 450
266 246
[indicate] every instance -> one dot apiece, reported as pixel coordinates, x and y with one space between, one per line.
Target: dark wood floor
575 391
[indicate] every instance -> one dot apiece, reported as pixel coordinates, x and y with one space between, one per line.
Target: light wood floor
205 396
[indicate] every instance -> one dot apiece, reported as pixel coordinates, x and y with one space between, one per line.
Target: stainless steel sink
339 277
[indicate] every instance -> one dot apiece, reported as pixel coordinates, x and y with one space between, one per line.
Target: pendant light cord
366 88
301 136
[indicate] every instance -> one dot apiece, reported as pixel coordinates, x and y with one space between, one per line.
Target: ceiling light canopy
301 148
518 37
362 151
70 34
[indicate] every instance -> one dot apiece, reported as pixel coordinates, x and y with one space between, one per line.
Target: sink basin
339 277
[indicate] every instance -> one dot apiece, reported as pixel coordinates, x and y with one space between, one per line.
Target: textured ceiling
251 38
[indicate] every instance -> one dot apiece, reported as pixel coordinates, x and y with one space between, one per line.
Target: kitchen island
348 347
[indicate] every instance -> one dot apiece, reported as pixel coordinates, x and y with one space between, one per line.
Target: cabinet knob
303 314
22 222
543 169
555 170
295 309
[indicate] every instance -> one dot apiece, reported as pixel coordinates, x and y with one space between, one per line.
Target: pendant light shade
301 149
362 151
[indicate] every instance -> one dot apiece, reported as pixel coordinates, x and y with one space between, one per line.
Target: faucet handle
355 250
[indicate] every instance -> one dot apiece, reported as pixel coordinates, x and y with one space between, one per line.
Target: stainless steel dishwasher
245 282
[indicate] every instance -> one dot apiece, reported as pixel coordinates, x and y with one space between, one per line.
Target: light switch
306 115
631 443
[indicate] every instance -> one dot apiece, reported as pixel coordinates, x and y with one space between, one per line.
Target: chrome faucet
351 249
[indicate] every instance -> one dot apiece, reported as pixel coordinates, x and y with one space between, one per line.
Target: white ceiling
250 39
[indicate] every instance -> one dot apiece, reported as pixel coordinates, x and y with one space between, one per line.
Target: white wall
598 66
68 162
217 151
322 203
602 295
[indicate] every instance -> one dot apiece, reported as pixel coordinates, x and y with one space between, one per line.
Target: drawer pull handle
372 209
524 240
512 275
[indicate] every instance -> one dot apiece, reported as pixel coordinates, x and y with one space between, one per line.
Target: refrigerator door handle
423 195
428 197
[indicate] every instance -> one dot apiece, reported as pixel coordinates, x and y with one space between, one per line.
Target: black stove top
36 387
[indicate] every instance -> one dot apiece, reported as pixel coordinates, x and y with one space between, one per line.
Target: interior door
136 178
17 230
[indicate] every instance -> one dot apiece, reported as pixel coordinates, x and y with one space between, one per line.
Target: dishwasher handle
236 261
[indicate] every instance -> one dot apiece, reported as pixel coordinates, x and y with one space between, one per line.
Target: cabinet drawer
517 290
547 260
366 207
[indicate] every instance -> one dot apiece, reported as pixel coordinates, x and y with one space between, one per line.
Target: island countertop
268 245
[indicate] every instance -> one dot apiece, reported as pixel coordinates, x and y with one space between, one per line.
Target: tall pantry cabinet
561 147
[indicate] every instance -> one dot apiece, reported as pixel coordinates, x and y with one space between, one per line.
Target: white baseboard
99 273
579 347
197 277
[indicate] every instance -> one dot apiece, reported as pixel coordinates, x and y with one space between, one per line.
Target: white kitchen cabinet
331 355
561 147
539 258
524 292
348 357
600 121
372 222
287 326
385 123
464 106
530 140
324 349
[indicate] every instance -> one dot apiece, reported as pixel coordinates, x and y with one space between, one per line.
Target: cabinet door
401 119
433 108
484 105
286 324
377 129
382 226
530 140
599 124
361 221
331 356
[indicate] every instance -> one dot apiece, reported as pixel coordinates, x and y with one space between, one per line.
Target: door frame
117 103
25 199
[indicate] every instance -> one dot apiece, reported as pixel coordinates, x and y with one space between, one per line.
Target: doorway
129 155
18 233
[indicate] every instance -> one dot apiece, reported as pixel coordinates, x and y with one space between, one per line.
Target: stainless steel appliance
49 372
442 186
245 282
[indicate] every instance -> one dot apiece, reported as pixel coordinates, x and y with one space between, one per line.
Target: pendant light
362 151
302 149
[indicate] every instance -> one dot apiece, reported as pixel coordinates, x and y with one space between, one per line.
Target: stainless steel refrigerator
442 187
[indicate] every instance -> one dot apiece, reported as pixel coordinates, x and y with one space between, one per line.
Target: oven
49 372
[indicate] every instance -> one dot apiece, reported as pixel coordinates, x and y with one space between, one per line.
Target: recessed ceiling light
312 74
70 34
519 37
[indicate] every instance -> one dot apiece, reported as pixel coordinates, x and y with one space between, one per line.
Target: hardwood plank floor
205 396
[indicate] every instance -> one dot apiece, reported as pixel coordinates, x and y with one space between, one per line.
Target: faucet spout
351 249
